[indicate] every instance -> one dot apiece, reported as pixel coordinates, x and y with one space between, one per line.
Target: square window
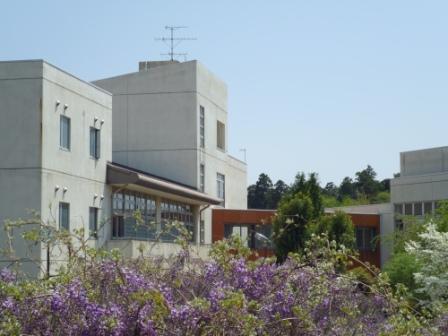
398 209
93 222
95 142
64 216
64 132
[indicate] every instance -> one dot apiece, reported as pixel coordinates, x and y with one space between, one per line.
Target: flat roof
61 70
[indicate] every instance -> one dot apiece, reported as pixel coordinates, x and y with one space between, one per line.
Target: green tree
339 228
347 189
366 183
290 226
311 188
280 189
259 194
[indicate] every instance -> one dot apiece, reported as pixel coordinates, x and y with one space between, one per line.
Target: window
252 236
398 209
202 126
93 222
172 211
64 132
408 209
64 216
95 142
221 135
418 209
202 178
221 187
365 238
427 206
202 232
117 226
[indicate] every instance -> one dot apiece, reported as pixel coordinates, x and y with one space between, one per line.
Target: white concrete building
170 119
423 181
56 150
55 142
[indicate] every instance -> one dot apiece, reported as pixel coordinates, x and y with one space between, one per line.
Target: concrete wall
20 152
156 128
33 163
423 176
83 176
132 249
154 123
425 161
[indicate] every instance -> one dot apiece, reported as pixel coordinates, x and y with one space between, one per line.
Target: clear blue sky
323 86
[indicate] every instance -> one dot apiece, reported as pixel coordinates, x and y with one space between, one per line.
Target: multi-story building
170 119
423 181
57 137
55 142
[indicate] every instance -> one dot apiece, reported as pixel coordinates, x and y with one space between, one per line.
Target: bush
107 295
401 268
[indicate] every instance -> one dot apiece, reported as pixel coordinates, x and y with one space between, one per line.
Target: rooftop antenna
173 42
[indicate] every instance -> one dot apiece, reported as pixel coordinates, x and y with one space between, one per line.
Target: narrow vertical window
221 187
202 232
64 216
202 126
64 132
95 142
93 222
202 178
221 135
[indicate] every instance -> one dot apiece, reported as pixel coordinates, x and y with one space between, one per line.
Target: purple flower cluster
239 297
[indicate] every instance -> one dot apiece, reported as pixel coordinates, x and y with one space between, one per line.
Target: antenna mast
173 42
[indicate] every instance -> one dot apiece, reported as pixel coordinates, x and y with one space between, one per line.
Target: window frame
368 235
62 136
202 177
221 181
93 232
201 126
95 143
220 135
62 225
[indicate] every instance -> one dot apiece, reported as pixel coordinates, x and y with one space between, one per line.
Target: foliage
339 228
264 195
227 295
401 268
363 189
431 251
290 226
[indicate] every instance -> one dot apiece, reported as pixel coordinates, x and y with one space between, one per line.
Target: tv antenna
173 42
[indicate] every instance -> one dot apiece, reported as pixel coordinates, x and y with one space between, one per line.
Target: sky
314 86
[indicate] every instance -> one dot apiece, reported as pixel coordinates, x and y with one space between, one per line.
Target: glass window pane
428 208
418 209
64 132
64 216
408 209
